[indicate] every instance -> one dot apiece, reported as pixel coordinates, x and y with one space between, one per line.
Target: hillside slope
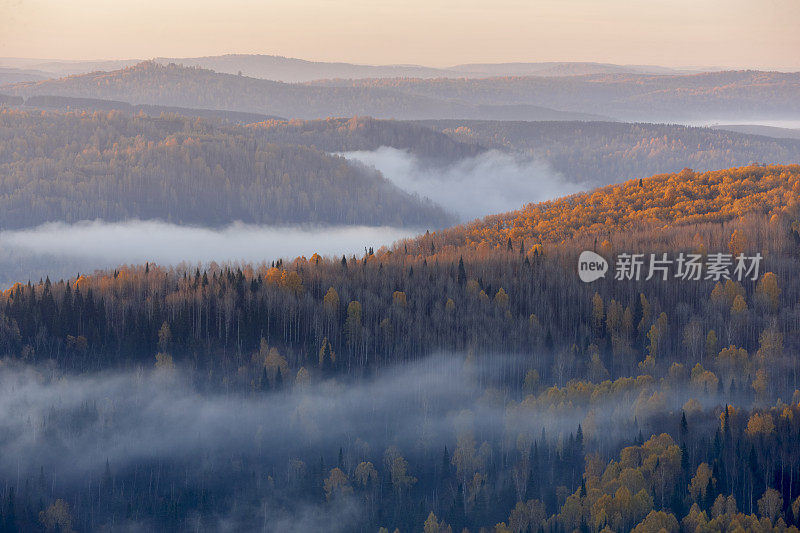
600 153
70 167
662 200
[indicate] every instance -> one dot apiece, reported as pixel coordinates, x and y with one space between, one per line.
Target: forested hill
366 133
645 97
174 85
546 363
111 166
686 197
600 153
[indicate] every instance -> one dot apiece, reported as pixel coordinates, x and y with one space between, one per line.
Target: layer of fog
74 423
68 427
492 182
777 123
52 248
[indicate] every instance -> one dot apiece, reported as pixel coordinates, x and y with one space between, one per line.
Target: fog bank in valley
58 249
492 182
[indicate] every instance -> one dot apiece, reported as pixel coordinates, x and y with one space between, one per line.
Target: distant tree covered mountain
293 70
599 153
766 131
70 167
16 75
366 133
556 68
647 97
173 85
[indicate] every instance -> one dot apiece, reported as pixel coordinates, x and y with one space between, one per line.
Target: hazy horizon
443 34
677 67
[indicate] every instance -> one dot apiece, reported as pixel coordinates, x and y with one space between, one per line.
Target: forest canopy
600 153
112 166
686 197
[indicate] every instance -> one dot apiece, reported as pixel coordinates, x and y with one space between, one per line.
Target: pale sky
731 33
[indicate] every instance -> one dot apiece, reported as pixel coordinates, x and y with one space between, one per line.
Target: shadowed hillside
70 167
599 153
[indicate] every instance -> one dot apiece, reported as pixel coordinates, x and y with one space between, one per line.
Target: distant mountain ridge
599 153
513 91
293 70
765 131
741 95
194 87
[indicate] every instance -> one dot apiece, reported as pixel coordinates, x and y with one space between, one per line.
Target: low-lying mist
58 249
78 422
492 182
75 423
72 432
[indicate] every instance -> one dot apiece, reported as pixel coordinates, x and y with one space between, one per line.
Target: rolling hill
111 166
173 85
293 70
741 95
765 131
555 69
663 200
600 153
16 75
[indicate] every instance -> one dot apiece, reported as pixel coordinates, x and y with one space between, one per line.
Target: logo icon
591 266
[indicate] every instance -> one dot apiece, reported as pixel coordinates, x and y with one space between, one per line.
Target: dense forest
513 396
686 197
113 166
710 95
173 85
90 151
366 133
599 153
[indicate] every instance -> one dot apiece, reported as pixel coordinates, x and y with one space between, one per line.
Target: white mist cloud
492 182
97 244
75 423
